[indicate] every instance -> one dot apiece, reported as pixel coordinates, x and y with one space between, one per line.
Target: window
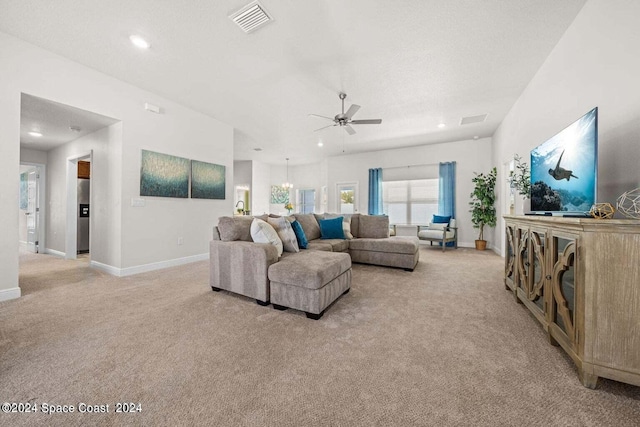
306 201
410 201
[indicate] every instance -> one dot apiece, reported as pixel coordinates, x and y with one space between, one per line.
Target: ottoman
310 281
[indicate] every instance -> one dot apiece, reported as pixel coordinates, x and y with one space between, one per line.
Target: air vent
251 17
473 119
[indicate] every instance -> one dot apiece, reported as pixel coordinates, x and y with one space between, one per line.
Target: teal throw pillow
331 228
302 238
438 219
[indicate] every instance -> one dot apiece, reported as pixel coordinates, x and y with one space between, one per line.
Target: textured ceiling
413 63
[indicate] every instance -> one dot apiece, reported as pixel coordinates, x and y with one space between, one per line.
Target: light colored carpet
444 345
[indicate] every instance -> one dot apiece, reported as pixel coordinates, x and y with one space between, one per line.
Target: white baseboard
7 294
129 271
54 252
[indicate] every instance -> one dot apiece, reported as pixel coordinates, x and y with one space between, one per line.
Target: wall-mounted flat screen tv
564 169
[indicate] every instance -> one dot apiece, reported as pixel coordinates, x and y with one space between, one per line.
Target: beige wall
595 63
140 236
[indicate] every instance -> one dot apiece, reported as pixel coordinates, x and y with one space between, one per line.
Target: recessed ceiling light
320 144
75 128
441 125
257 149
36 134
475 137
138 41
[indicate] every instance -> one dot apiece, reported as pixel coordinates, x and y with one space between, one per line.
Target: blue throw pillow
331 228
302 238
437 219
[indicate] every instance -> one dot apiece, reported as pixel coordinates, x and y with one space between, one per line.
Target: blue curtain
447 187
447 192
375 191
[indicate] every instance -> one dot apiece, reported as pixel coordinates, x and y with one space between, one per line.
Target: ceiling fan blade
352 110
349 129
366 122
323 127
322 117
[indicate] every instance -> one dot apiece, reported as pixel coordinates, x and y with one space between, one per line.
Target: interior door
347 197
33 211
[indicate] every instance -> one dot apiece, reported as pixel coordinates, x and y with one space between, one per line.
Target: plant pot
481 245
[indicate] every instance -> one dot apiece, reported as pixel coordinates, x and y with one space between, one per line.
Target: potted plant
483 198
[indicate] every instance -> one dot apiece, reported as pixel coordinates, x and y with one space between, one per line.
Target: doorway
31 207
347 197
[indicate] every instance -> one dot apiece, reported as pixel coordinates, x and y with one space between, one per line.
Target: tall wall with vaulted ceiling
594 64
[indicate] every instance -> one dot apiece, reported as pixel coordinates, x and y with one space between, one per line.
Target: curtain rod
412 166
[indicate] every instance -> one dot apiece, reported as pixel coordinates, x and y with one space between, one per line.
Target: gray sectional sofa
309 280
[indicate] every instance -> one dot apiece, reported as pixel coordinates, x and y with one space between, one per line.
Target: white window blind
410 201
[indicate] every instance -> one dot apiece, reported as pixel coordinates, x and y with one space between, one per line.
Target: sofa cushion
331 228
235 228
310 225
285 233
346 223
311 270
373 226
337 245
262 232
299 232
355 223
320 245
397 245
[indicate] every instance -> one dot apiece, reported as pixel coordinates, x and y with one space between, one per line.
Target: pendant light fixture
287 184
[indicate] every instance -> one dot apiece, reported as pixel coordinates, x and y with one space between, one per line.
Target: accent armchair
443 233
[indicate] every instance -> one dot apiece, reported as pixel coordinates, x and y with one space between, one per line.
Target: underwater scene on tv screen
564 168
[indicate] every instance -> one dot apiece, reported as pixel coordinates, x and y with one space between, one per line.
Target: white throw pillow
262 232
285 233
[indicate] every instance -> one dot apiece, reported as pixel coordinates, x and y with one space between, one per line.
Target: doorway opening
31 207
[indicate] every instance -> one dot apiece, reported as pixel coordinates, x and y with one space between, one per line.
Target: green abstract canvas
279 195
207 180
163 175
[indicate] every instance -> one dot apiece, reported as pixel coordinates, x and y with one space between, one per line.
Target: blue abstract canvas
163 175
207 180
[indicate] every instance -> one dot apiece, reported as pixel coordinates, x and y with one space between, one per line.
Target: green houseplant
520 177
483 199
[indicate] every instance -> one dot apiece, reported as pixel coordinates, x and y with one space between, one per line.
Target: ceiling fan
345 120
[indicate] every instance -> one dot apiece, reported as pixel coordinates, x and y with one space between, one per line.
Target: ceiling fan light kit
345 120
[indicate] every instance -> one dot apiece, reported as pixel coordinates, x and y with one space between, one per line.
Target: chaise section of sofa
400 252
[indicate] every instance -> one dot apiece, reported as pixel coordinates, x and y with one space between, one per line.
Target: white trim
129 271
55 253
114 271
8 294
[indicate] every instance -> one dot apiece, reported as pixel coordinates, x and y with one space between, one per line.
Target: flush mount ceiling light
35 133
139 42
287 184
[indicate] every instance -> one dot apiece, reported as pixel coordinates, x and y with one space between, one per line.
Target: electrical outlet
180 241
